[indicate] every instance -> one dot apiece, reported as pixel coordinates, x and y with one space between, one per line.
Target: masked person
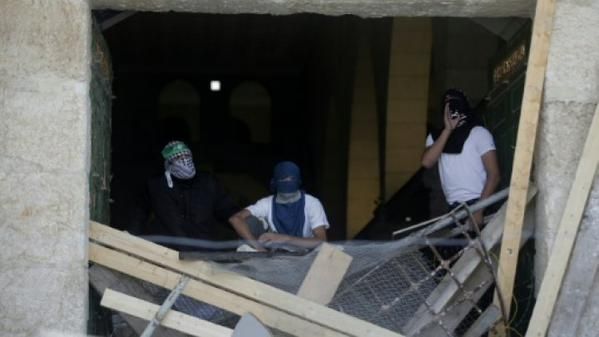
293 217
188 203
465 152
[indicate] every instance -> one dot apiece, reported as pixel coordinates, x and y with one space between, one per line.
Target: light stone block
570 97
46 129
44 166
42 37
589 322
577 302
35 298
573 63
44 218
562 132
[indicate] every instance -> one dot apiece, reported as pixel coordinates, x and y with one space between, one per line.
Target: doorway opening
330 93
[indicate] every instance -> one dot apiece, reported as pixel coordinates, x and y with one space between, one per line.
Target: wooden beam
325 274
523 156
566 235
206 293
237 284
102 278
174 320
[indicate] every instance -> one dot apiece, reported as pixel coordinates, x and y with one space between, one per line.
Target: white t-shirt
313 214
463 175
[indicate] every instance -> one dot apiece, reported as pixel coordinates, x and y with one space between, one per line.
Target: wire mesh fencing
434 282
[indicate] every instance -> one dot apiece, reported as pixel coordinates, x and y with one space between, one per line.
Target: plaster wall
571 94
44 164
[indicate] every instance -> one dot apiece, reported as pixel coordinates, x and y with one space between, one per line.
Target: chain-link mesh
413 286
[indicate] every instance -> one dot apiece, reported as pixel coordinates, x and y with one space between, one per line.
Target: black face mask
458 108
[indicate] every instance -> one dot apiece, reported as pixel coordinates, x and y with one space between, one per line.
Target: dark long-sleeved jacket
192 208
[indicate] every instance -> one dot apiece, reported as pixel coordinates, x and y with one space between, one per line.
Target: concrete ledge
370 8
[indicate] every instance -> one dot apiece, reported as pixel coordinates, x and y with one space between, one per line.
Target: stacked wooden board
232 292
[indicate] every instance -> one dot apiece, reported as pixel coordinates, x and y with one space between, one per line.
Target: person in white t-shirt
293 216
466 154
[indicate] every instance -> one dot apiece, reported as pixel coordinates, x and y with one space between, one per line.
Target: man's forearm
433 152
490 187
243 230
305 242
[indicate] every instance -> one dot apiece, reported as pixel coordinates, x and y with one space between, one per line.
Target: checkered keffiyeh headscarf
178 161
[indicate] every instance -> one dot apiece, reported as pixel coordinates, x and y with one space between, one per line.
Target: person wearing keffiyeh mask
293 217
465 152
178 161
186 202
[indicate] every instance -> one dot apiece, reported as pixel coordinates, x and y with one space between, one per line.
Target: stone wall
366 8
45 144
44 165
571 94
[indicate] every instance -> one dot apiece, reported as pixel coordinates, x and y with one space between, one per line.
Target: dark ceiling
215 44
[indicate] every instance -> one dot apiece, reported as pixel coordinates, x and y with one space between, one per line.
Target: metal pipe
165 307
451 217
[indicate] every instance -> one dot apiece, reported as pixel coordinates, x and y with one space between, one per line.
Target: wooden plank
102 278
237 284
566 235
462 270
325 274
523 156
206 293
174 320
